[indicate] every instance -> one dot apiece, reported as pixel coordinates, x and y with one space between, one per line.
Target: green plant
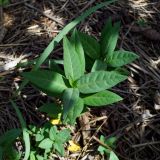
40 60
47 140
108 150
77 86
6 144
102 54
60 36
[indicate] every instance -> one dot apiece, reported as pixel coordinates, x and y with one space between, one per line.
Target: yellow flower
57 120
74 147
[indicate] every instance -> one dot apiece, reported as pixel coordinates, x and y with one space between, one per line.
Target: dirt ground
28 26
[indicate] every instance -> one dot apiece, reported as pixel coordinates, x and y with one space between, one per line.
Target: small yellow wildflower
56 121
74 147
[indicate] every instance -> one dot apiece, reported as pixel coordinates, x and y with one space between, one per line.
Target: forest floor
29 26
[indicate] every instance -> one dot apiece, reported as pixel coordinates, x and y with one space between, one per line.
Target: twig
13 44
84 8
145 144
44 14
85 147
102 144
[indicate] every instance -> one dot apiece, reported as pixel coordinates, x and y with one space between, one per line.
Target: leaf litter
135 121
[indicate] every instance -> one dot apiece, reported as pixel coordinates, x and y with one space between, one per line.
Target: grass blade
25 133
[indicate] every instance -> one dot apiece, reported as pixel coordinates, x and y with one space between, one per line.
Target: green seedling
76 86
48 140
108 151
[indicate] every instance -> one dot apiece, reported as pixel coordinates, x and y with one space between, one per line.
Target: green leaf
99 81
123 71
32 155
63 136
60 36
47 151
32 128
13 154
102 98
51 109
53 132
75 111
109 142
72 65
103 150
39 137
70 97
113 156
39 157
105 35
9 137
89 63
90 45
46 80
46 144
75 40
109 38
53 66
59 147
99 65
120 58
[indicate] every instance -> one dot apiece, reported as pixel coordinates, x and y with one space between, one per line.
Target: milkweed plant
89 69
